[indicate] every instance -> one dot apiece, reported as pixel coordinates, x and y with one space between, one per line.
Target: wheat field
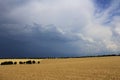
97 68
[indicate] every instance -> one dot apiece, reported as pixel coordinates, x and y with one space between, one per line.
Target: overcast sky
42 28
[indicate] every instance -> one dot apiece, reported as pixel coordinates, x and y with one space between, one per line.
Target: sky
59 28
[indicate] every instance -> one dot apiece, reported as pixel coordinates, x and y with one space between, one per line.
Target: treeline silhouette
53 57
14 63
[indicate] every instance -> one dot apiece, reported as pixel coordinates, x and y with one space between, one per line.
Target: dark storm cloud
58 27
16 41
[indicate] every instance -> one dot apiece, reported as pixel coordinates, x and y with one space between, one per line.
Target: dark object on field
15 62
38 62
7 63
29 62
33 62
21 62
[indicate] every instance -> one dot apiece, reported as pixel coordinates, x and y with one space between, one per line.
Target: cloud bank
59 27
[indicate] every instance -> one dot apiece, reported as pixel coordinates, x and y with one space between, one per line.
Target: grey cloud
55 28
35 40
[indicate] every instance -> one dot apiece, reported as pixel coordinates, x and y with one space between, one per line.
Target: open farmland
97 68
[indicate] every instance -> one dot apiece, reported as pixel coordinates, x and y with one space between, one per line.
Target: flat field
96 68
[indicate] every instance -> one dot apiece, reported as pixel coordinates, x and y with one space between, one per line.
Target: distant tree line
53 57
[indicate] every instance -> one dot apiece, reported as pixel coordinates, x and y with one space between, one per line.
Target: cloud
59 27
